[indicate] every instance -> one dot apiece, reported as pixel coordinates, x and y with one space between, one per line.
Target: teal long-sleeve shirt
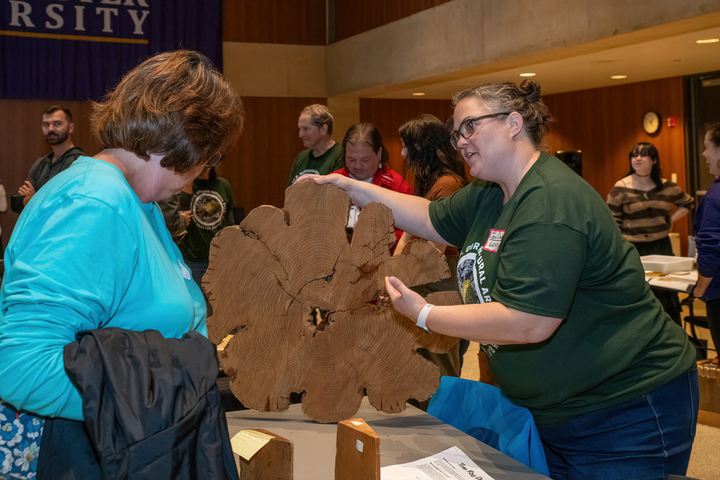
86 253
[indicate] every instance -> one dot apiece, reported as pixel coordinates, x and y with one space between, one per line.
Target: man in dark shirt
57 127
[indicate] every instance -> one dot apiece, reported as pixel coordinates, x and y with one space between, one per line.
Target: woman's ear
515 121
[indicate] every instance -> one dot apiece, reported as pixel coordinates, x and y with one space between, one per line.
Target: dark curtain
75 50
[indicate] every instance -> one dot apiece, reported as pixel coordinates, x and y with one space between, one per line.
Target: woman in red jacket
366 159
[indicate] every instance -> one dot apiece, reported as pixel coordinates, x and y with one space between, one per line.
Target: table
404 437
676 282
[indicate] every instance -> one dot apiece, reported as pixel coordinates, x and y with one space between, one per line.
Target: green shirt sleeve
540 269
296 166
453 216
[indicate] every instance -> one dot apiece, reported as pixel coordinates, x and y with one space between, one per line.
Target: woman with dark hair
435 165
555 295
438 171
642 203
91 252
366 160
706 228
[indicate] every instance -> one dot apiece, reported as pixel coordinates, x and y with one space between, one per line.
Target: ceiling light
527 74
708 40
418 94
618 77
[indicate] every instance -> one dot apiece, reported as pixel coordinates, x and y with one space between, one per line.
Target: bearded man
57 128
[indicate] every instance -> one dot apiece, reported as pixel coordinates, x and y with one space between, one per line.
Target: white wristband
422 318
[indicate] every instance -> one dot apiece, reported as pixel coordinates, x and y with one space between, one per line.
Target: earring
380 166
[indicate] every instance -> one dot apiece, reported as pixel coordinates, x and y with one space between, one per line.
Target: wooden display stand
358 451
274 461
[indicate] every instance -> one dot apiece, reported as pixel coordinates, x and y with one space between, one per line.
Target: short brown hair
175 104
54 108
319 116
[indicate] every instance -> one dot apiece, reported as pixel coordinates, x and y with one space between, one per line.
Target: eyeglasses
217 158
467 127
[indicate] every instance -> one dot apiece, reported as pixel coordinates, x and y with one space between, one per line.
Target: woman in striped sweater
645 206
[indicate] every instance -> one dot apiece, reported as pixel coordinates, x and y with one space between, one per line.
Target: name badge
493 241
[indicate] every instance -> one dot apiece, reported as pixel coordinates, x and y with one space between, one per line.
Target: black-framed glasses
217 158
467 127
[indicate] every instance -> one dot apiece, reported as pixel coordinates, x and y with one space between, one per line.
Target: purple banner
79 49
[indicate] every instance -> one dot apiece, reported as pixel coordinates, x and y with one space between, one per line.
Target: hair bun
531 89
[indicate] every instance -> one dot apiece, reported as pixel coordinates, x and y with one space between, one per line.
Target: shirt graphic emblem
208 209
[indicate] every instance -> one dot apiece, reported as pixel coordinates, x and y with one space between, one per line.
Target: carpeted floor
705 458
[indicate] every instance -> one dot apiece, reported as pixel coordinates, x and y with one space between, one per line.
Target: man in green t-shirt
323 155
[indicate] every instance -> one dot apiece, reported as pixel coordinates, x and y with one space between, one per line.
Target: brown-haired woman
438 172
554 294
436 167
91 249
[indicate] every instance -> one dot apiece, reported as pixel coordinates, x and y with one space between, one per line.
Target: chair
696 321
481 411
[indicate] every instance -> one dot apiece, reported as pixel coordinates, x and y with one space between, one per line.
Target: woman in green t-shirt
554 294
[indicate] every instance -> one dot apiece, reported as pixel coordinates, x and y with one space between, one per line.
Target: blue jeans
649 437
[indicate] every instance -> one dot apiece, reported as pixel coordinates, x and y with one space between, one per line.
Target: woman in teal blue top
91 249
554 294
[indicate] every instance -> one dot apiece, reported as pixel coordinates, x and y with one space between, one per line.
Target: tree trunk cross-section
305 307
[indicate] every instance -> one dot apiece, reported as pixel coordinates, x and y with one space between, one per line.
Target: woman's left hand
404 300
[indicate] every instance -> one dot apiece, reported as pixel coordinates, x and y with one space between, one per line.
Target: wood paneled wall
389 115
23 143
357 16
605 123
259 166
295 22
303 22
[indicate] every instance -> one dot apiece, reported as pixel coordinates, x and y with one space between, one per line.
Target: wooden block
272 462
358 451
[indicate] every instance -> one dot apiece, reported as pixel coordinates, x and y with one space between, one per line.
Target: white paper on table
448 464
674 281
247 443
